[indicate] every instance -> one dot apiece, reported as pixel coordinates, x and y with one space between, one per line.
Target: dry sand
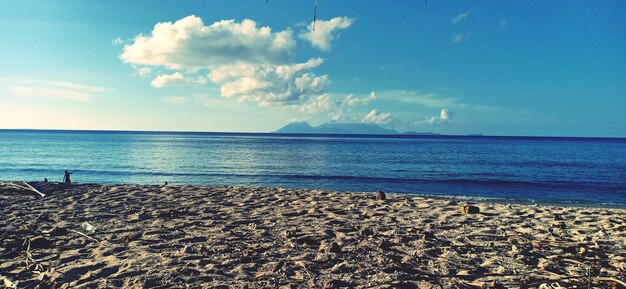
235 237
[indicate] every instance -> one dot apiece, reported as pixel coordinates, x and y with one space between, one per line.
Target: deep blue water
552 170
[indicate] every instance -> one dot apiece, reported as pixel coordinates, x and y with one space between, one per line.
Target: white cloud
456 38
323 34
351 100
377 117
117 41
444 117
176 78
338 116
248 62
335 104
56 89
320 104
53 93
271 84
75 86
143 71
461 16
430 100
189 44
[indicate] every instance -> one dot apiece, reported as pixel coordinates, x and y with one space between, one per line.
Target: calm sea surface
546 170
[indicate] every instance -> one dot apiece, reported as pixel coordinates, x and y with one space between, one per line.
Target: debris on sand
142 236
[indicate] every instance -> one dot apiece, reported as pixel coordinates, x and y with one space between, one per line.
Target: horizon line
425 135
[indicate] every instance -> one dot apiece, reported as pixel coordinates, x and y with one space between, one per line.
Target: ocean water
543 170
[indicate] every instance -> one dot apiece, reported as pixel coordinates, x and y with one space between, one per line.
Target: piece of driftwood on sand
24 186
40 189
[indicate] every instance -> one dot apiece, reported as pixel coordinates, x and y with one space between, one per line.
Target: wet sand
237 237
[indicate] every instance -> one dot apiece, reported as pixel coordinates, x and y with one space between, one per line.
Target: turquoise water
553 170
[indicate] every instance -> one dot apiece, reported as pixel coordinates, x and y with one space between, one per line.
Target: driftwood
57 231
35 190
84 235
24 186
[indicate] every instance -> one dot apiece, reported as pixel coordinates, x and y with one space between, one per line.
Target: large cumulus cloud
268 84
247 61
189 44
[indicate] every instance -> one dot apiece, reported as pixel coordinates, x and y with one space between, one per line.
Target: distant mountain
296 127
357 128
335 128
420 133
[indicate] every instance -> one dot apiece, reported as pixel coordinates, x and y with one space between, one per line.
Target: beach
150 236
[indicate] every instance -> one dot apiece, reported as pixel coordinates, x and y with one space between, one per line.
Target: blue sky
492 67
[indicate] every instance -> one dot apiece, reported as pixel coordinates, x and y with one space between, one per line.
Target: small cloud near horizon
443 117
335 105
374 116
57 89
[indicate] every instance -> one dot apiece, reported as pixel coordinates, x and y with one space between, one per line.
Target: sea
542 170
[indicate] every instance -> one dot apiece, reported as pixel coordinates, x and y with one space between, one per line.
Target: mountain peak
295 127
335 128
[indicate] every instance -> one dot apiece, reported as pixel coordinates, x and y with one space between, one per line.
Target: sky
544 68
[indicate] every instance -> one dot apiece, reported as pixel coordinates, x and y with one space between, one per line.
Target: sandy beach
139 236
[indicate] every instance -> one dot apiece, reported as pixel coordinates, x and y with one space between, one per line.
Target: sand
237 237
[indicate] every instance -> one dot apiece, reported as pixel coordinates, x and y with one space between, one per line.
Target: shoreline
460 198
524 202
154 236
